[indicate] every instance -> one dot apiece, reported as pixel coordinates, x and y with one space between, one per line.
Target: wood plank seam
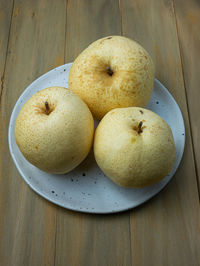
186 97
121 32
55 238
130 233
4 68
120 10
65 31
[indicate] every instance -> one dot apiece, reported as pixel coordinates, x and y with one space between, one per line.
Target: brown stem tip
139 129
47 107
109 71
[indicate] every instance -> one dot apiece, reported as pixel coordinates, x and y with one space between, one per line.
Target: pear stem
139 129
109 71
47 107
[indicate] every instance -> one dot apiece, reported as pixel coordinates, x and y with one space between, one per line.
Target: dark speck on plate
157 102
72 179
83 174
56 195
64 69
52 191
183 134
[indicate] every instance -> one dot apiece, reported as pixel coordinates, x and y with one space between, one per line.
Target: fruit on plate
54 130
134 147
112 72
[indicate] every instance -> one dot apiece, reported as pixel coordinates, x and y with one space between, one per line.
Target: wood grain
6 8
188 25
84 239
165 231
27 222
88 21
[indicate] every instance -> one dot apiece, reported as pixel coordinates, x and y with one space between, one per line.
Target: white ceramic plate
86 188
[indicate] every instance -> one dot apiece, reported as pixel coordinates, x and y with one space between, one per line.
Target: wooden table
38 35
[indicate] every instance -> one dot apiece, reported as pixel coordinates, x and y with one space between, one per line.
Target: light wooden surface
36 36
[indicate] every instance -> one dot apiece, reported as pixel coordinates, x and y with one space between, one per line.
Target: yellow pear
134 147
54 130
112 72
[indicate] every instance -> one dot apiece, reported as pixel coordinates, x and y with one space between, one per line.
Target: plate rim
82 210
